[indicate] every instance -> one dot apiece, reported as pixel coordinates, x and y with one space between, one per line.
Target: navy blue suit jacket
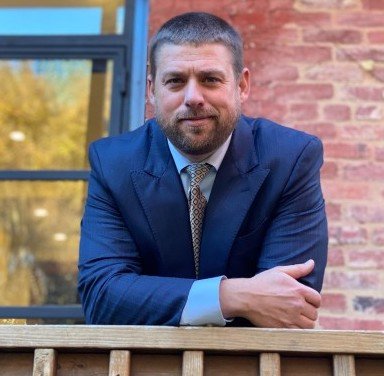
136 258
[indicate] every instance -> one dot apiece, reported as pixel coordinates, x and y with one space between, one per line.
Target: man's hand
273 298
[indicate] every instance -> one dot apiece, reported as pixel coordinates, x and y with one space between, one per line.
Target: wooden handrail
191 338
190 351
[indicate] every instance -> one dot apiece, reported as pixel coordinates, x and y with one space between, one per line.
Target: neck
196 158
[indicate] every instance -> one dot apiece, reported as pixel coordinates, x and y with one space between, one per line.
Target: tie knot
197 172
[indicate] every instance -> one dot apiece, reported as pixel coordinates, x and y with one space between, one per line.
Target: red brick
337 112
281 54
329 170
366 214
366 259
364 132
303 111
379 154
373 4
365 172
376 37
364 93
351 280
343 323
335 257
332 36
322 130
378 73
333 235
280 4
333 211
260 92
344 150
178 7
275 73
326 4
353 235
378 236
288 35
294 92
333 302
347 235
339 73
290 16
242 20
360 53
360 19
272 110
368 304
346 190
266 36
235 7
369 112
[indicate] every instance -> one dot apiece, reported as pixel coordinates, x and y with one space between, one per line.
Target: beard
198 140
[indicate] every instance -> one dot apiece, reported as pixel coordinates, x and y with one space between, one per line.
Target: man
203 216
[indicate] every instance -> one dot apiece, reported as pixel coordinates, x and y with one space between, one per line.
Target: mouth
196 118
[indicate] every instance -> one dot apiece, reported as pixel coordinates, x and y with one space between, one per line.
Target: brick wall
318 66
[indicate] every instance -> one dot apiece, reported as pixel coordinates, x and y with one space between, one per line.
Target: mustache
196 114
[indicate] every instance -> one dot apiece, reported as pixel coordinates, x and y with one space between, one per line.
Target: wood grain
306 364
344 365
82 364
156 364
119 363
45 362
194 338
232 364
270 364
16 364
193 363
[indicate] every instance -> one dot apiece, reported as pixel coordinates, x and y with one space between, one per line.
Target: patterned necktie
197 203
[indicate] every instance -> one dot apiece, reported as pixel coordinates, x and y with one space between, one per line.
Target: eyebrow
212 72
208 72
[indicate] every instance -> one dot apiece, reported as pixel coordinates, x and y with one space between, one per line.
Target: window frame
127 51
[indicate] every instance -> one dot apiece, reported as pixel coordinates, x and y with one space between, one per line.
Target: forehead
185 57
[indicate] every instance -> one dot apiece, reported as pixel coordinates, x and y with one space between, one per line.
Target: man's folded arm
111 286
298 231
285 290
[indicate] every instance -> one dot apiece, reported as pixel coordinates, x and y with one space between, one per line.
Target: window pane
61 17
51 110
39 234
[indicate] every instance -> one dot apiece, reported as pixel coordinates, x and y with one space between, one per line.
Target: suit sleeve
111 286
298 230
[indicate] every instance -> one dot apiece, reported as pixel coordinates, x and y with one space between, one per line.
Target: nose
193 96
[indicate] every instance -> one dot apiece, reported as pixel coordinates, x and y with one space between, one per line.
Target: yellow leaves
49 106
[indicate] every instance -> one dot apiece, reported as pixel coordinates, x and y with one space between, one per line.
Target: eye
174 81
211 79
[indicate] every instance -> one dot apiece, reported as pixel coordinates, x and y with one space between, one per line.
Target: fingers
306 323
310 312
312 296
297 271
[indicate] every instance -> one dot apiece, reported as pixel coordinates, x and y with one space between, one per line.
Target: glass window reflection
47 117
39 242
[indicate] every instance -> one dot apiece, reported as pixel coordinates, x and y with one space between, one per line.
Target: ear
151 89
244 85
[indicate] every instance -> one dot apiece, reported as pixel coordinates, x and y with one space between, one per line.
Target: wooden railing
131 350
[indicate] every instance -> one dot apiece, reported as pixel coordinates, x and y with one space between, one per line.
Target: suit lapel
163 199
237 182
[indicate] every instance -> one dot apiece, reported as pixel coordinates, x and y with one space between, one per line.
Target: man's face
196 97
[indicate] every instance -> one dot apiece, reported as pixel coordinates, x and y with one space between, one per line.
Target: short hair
198 28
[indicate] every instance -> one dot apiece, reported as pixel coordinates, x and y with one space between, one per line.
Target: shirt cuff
203 304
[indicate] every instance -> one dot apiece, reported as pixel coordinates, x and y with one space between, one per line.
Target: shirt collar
214 159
